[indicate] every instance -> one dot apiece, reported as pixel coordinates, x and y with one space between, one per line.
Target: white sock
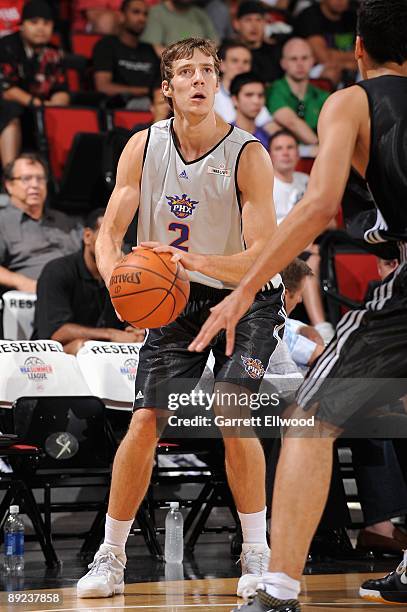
117 532
254 527
280 585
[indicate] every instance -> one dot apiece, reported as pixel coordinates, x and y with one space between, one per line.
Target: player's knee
144 424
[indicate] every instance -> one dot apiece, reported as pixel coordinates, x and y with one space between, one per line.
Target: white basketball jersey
194 205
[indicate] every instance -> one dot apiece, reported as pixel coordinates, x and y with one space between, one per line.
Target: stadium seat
305 164
82 43
324 84
346 271
57 127
119 118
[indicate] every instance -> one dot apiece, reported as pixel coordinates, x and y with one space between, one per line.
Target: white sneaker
254 561
106 575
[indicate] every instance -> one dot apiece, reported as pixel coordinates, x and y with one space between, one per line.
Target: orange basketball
148 289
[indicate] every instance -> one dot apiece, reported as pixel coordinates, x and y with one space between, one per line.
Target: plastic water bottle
14 542
174 535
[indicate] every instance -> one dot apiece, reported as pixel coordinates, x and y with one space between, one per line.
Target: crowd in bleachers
78 78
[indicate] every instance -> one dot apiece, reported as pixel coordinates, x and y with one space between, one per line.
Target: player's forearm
306 221
72 331
229 269
108 253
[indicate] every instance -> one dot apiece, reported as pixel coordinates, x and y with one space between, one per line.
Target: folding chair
56 129
82 43
346 270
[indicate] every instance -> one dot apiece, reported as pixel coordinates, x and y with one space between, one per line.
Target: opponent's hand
190 261
224 315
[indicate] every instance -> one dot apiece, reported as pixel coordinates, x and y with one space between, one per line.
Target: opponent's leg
130 479
296 512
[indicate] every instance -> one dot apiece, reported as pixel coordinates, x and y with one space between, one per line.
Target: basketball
147 289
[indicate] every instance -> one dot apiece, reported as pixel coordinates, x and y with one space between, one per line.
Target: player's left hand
224 315
190 261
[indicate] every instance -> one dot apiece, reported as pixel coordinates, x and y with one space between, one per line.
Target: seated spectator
32 71
73 304
235 58
329 27
10 16
124 66
219 13
174 20
248 95
250 25
98 16
30 235
289 187
10 131
304 342
293 101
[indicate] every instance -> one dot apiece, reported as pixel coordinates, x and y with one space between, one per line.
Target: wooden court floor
337 592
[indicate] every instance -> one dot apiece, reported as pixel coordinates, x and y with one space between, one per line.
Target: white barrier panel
110 371
38 368
18 315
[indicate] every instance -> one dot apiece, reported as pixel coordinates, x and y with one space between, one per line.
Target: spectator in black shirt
128 68
330 28
32 70
249 24
73 304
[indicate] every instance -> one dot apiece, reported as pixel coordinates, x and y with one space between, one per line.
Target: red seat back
305 164
61 125
324 84
128 119
354 272
83 43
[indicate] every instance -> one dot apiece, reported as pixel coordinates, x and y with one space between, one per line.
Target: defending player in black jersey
364 127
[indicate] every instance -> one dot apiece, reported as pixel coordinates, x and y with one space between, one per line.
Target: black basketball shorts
365 364
164 357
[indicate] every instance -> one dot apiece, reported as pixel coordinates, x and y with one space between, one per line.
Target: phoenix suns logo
181 206
253 367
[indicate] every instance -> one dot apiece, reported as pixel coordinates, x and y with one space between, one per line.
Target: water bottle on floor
14 542
174 535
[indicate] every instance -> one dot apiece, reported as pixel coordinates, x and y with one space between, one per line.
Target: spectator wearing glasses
32 70
294 102
30 234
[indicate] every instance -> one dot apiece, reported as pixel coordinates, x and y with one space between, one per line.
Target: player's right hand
224 315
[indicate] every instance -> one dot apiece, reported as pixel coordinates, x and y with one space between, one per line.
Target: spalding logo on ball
147 289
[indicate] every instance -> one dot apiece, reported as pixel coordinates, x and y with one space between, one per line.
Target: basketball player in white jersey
362 128
192 180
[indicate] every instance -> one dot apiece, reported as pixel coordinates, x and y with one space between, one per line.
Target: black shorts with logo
165 358
364 367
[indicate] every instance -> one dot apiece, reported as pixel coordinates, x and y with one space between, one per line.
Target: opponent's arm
255 183
338 129
122 206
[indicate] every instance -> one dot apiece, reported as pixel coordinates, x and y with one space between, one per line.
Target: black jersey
386 173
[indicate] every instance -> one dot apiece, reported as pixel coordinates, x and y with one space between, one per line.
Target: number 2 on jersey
183 237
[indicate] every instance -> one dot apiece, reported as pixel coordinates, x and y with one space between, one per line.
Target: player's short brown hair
294 274
184 49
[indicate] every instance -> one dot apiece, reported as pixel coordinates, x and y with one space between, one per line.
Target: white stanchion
38 368
18 314
110 371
